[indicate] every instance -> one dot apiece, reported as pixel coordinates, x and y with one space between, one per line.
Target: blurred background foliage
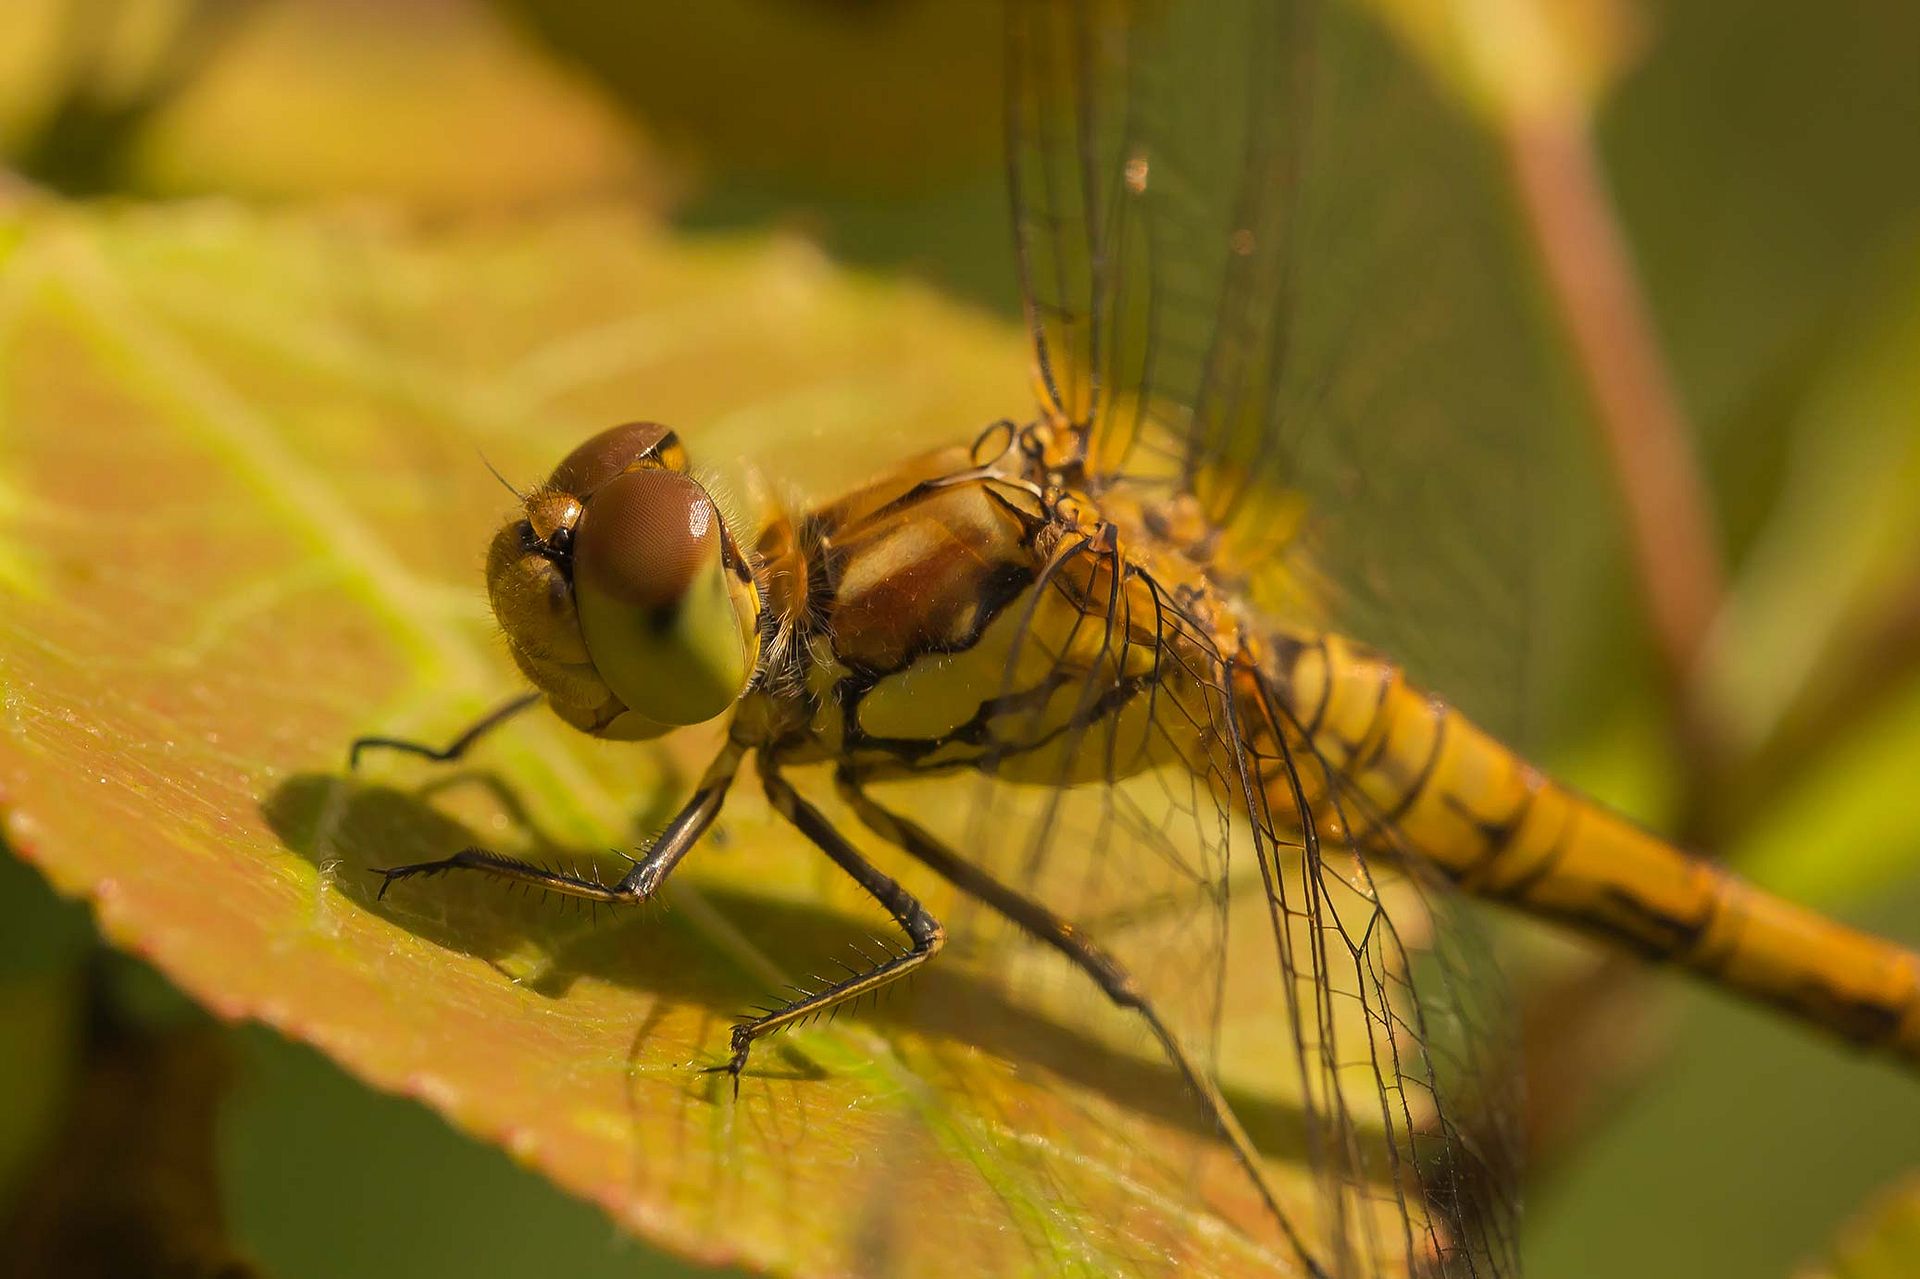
1760 165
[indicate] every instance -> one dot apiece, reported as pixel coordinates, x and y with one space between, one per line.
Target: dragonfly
1124 625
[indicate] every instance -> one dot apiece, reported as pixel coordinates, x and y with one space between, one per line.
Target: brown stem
1573 1069
1590 275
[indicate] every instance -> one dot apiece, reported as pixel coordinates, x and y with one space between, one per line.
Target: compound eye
614 451
669 622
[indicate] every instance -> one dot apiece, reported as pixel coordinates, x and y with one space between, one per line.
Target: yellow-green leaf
244 517
1883 1242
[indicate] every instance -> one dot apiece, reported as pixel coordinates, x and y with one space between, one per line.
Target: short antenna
486 462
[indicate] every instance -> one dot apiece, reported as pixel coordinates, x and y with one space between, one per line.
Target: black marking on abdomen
1497 834
1635 923
1287 651
1421 780
1521 889
1863 1021
1389 675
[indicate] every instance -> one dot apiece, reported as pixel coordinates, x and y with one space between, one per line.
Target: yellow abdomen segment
1458 799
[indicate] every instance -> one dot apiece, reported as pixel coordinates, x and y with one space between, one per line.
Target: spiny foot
390 874
736 1062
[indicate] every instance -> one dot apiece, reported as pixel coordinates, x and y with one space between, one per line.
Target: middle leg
1120 986
925 936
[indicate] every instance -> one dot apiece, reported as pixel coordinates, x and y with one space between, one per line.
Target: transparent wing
1057 105
1145 787
1266 263
1248 280
1153 167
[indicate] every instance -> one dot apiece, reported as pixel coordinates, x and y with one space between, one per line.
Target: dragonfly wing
1328 993
1213 318
1405 402
1069 132
1153 156
1391 947
1266 263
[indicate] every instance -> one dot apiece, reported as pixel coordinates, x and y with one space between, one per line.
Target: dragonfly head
625 597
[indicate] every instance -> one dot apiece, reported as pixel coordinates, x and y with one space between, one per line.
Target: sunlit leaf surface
242 509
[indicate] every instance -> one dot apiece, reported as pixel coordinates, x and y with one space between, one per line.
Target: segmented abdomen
1410 775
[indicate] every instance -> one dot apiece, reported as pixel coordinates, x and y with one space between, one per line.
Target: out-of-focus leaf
1755 211
829 95
1842 545
1515 60
436 105
1851 826
126 1186
43 942
39 934
39 1013
326 1178
878 125
1883 1242
248 513
1841 550
1742 1152
1758 220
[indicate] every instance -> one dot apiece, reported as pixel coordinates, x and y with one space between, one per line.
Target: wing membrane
1057 106
1213 317
1319 980
1266 264
1153 157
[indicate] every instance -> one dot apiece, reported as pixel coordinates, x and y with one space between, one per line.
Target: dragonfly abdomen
1407 774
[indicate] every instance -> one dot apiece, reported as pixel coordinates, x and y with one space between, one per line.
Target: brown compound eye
645 537
614 451
670 621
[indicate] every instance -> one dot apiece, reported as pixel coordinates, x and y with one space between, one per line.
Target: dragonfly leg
1066 937
452 750
642 881
925 936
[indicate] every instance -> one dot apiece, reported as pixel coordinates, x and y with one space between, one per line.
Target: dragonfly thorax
970 611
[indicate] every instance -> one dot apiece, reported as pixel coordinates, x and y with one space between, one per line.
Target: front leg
454 749
637 885
925 936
